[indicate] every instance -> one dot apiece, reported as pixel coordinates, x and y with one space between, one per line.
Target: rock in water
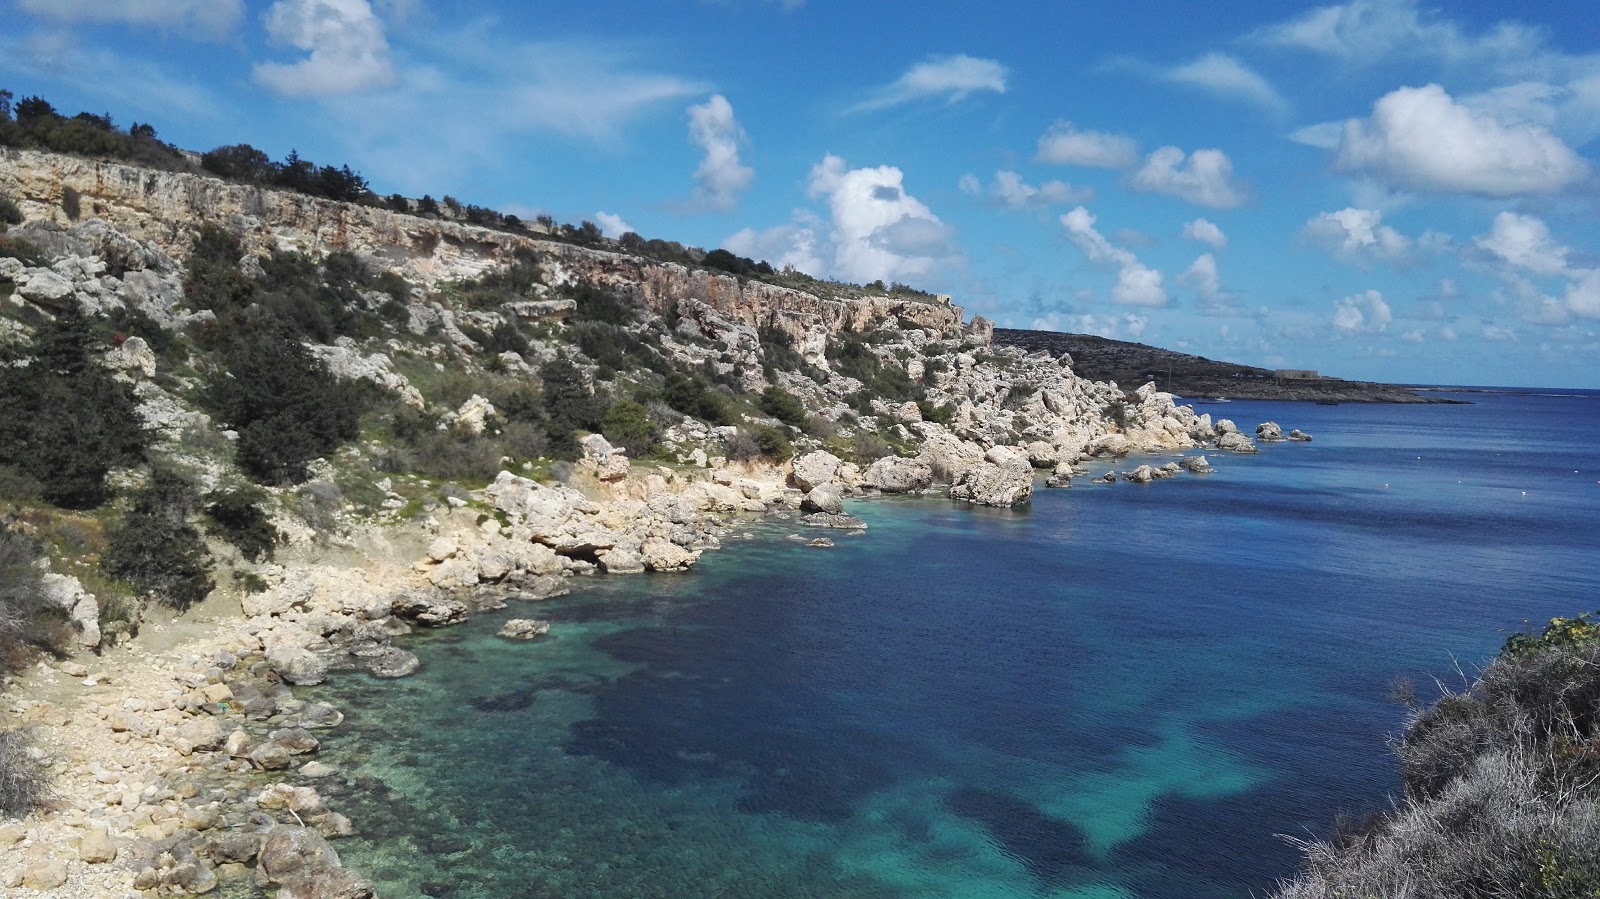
824 498
1005 479
393 662
429 610
1269 432
1195 464
1299 435
830 520
1144 474
893 474
524 629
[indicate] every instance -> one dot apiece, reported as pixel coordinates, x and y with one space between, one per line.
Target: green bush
237 517
935 412
212 279
627 424
783 405
71 203
285 406
570 405
759 441
693 396
154 547
24 251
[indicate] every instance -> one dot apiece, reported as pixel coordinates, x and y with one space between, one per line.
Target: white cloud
1204 177
347 50
970 185
1203 277
612 225
954 78
1359 236
1362 313
1523 241
720 177
1137 284
1419 138
130 83
1366 31
1206 232
1065 145
1322 135
1012 192
1583 295
1226 76
1499 333
207 18
879 232
786 246
1415 335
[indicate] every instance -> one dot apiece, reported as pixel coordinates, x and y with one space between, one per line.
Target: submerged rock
524 629
830 520
393 662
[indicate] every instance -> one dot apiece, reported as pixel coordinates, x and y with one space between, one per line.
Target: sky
1377 189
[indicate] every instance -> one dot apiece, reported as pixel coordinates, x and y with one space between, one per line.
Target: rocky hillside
1104 359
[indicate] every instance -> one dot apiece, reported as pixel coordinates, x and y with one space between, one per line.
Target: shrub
24 780
212 279
237 517
783 405
24 251
10 212
283 402
570 404
154 547
760 441
628 424
27 620
939 413
692 396
71 203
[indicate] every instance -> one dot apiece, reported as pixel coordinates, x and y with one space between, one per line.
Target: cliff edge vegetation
1501 786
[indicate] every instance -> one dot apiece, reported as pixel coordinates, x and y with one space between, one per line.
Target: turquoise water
1120 691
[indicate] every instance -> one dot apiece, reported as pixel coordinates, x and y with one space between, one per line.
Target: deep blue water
1121 691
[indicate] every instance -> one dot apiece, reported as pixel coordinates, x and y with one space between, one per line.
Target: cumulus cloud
1583 295
1137 284
1206 232
1064 144
1204 177
206 18
1419 138
1203 277
1523 241
1499 333
1359 236
879 231
720 177
612 225
1226 76
1362 313
347 51
953 78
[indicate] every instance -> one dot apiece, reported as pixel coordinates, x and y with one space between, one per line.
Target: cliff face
165 207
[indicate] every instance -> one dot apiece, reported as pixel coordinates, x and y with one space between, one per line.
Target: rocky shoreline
183 759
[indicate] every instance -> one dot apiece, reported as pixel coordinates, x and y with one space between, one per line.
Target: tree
64 420
155 548
282 401
239 162
628 425
783 405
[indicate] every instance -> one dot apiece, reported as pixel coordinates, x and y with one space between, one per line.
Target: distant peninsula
1196 377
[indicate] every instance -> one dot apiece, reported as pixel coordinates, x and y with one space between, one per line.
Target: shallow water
1120 691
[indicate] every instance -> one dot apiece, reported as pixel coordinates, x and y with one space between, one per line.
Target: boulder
824 498
1108 445
429 609
1195 464
1235 442
1144 474
813 470
293 853
96 847
621 560
524 629
46 288
296 664
1005 479
1269 432
239 847
1168 470
894 474
320 715
664 555
45 875
472 416
270 756
296 740
1300 436
393 662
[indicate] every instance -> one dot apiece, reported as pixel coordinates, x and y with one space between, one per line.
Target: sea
1116 691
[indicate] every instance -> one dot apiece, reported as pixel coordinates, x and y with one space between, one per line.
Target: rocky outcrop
894 474
1269 432
1005 479
1195 464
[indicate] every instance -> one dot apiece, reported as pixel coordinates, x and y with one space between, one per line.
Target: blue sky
1377 189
